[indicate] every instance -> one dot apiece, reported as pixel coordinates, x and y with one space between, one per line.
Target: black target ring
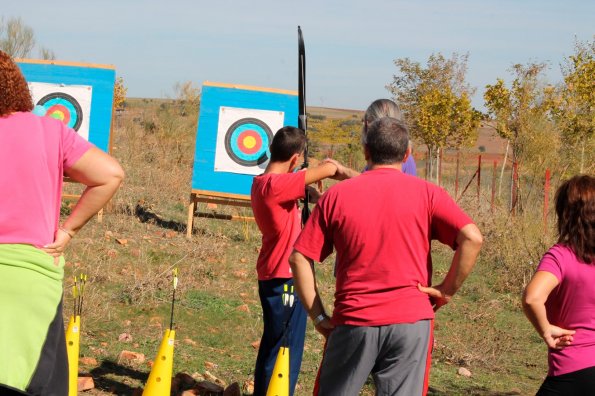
247 141
64 107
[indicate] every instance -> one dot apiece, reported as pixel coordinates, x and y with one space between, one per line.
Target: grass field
129 256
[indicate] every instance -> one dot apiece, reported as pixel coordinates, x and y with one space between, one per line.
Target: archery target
63 107
247 141
69 104
243 139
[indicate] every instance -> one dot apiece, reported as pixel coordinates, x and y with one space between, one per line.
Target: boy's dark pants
279 321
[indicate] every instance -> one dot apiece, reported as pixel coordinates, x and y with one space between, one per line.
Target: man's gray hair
387 141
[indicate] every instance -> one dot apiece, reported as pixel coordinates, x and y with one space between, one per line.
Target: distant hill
334 113
488 141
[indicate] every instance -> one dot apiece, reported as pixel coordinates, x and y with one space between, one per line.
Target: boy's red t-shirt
274 203
381 223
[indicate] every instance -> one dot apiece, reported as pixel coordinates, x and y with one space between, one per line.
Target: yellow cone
159 382
279 384
73 333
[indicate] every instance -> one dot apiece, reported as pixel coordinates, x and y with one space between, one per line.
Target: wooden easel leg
190 221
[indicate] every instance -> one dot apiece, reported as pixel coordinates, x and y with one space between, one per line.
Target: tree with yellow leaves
522 114
436 102
120 91
573 104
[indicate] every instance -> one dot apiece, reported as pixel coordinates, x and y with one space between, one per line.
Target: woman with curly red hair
560 298
35 154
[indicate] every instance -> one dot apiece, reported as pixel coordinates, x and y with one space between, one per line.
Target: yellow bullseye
58 115
249 142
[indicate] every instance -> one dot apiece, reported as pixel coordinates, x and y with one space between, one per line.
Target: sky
350 45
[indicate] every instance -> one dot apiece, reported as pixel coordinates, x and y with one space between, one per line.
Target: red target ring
249 141
64 107
59 112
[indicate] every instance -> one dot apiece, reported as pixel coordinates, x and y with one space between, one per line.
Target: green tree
436 101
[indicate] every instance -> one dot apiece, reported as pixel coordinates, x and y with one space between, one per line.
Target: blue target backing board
235 128
79 94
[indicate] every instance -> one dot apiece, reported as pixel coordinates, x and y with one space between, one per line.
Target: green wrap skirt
33 356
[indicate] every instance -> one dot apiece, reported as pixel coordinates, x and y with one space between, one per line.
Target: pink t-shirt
34 151
571 305
381 223
274 203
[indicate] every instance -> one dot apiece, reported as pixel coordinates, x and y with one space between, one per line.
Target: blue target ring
247 141
63 107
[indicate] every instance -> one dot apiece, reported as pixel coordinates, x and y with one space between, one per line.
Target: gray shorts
398 357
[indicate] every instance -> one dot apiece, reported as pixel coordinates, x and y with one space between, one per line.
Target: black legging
577 383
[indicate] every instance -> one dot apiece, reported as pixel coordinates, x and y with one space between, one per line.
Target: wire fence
489 183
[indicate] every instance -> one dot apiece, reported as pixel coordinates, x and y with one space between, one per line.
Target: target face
247 142
63 107
243 139
70 104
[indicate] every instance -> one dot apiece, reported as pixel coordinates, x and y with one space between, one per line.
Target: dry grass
218 314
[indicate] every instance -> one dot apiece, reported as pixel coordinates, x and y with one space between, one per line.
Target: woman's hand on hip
56 248
558 338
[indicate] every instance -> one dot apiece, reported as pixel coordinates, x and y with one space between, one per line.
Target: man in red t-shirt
381 224
274 198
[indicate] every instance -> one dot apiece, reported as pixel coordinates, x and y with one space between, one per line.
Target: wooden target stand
76 197
217 198
215 177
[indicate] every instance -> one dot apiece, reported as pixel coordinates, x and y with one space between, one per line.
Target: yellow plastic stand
73 333
279 384
159 382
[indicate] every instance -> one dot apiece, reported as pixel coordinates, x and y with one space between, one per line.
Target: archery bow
302 121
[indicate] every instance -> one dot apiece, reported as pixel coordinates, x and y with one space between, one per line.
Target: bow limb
302 118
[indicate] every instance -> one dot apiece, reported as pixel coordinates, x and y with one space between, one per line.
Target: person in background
409 167
388 108
381 224
274 198
35 154
560 298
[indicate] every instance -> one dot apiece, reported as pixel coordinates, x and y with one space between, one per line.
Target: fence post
493 185
503 167
457 175
546 198
514 192
478 178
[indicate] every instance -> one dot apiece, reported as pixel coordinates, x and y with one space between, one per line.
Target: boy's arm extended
343 172
320 172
